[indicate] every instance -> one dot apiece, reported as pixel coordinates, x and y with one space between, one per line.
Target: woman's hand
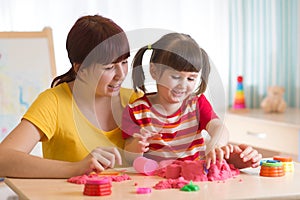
218 153
244 156
100 159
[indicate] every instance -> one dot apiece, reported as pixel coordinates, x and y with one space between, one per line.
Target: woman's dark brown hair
94 39
174 50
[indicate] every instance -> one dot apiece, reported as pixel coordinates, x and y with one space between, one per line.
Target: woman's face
111 77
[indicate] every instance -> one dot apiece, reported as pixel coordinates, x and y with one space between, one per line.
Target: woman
77 113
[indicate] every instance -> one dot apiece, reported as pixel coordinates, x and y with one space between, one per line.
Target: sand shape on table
195 170
83 178
179 173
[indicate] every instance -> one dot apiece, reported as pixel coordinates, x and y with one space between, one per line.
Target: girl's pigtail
138 76
205 72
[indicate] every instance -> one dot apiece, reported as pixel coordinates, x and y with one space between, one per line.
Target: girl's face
111 77
174 86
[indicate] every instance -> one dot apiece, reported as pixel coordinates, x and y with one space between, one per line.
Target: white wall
206 21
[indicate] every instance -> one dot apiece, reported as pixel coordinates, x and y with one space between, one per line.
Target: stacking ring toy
97 187
272 168
287 162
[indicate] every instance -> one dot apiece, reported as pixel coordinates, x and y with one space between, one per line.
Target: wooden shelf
278 132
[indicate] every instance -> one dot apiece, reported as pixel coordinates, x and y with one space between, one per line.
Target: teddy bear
274 101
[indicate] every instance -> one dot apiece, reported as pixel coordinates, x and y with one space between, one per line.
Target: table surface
247 185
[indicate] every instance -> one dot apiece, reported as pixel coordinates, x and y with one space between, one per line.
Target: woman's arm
15 160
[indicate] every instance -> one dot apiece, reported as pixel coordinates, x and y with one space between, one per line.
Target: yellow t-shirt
68 135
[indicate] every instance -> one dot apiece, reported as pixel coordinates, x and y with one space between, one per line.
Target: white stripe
139 102
168 155
139 116
180 127
161 119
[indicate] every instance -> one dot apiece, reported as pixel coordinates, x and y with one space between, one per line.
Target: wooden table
248 185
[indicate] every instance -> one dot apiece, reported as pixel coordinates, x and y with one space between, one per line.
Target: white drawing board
27 67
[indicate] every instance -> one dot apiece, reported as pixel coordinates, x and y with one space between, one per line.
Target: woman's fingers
96 166
256 160
104 160
116 153
250 154
107 156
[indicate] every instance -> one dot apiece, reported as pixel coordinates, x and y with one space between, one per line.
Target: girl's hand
244 156
143 139
218 153
100 159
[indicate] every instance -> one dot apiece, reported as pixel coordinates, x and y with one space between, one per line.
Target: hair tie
149 46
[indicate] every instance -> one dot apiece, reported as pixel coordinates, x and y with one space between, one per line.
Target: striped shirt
181 132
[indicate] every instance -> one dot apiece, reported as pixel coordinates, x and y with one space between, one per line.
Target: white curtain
264 48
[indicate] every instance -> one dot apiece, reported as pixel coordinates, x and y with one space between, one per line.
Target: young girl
77 120
168 124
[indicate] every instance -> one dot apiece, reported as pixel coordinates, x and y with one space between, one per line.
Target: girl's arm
133 149
219 137
15 160
218 132
241 156
138 144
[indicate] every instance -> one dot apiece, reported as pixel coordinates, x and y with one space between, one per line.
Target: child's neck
163 107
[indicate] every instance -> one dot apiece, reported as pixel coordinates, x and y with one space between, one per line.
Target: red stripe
160 158
175 148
